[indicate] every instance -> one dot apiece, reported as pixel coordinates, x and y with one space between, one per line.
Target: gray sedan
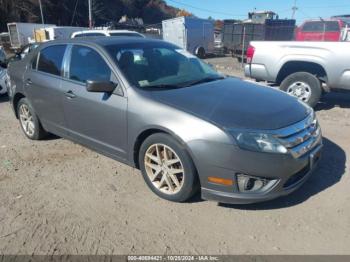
153 106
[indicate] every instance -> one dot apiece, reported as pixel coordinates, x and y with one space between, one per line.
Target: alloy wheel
164 169
26 119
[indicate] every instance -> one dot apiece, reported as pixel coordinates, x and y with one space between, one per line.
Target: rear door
42 83
97 120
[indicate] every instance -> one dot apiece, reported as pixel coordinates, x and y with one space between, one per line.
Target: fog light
248 184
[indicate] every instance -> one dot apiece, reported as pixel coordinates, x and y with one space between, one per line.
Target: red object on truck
320 30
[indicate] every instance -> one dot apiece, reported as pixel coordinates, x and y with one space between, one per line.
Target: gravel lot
57 197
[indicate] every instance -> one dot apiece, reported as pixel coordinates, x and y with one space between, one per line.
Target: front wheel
201 52
305 86
167 168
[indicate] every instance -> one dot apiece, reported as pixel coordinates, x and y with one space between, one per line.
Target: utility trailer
190 33
238 35
20 33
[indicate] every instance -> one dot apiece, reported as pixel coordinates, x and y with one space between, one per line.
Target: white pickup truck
302 69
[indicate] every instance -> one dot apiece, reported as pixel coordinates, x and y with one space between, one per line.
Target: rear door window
51 59
321 26
89 34
87 64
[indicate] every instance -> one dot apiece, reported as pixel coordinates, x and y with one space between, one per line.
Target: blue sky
230 9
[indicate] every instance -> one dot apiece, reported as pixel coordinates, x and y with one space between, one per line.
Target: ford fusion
154 106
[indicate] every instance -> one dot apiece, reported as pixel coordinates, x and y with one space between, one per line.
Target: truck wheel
29 121
167 168
201 52
304 86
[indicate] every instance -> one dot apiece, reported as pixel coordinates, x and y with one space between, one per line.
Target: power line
326 7
75 10
206 10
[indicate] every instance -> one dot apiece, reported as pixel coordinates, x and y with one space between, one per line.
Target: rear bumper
256 71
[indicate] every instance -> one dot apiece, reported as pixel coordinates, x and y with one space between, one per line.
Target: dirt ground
57 197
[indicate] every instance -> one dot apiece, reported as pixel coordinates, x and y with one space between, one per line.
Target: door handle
70 94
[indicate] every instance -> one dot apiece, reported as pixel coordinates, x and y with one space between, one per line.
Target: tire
303 83
36 132
188 179
201 53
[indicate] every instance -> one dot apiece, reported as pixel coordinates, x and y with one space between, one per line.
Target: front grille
301 137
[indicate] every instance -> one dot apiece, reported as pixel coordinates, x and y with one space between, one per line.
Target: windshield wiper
205 80
163 86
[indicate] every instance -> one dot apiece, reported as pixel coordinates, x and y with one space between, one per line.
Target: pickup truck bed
301 68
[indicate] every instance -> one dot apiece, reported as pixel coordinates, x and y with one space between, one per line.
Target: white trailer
193 34
20 33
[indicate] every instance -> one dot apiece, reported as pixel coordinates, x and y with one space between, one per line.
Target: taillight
250 54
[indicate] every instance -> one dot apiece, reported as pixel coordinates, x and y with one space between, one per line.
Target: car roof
104 31
104 41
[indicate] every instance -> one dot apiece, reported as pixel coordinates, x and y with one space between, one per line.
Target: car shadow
50 137
4 98
329 172
334 99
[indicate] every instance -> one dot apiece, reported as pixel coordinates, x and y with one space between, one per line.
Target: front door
97 120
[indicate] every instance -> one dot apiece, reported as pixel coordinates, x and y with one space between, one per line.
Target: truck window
321 26
316 26
51 58
332 26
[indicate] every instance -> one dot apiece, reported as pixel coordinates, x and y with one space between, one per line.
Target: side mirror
100 86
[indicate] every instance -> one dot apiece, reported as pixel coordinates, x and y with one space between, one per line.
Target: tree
183 12
61 12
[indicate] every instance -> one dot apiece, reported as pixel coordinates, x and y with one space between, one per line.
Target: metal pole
294 8
41 12
90 14
243 48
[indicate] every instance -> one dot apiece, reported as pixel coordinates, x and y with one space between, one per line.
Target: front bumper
290 178
278 190
279 174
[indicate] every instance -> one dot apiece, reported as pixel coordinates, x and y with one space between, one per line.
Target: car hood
233 103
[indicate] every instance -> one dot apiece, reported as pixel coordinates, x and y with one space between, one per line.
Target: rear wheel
305 86
29 121
167 168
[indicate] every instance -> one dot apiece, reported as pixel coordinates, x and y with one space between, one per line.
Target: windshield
125 34
158 65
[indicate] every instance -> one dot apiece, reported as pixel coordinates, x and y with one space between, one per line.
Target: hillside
75 12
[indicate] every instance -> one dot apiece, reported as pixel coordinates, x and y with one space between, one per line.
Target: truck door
208 37
342 65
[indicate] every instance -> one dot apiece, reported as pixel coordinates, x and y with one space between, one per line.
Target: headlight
259 142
